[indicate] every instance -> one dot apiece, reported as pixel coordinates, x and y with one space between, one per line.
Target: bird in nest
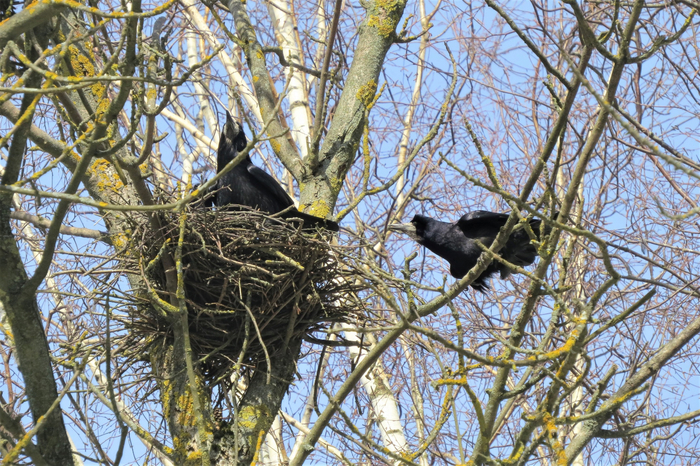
247 185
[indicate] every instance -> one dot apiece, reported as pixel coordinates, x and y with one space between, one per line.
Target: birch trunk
385 411
297 95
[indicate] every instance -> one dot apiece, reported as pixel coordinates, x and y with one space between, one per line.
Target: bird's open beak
407 229
231 127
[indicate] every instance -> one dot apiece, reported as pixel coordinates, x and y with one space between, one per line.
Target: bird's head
415 230
233 134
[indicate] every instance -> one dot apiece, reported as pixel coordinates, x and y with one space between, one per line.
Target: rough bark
18 296
33 353
321 184
240 441
35 15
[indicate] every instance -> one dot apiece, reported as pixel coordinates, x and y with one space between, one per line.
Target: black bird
248 185
455 242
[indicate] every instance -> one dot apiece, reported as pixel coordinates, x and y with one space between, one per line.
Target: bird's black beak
233 134
406 228
231 128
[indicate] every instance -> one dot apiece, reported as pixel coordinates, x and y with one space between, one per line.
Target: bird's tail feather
481 284
311 221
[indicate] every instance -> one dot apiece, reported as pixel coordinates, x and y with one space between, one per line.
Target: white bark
375 382
187 158
577 410
202 95
321 31
577 265
310 402
408 118
237 80
181 120
416 398
283 23
203 145
274 449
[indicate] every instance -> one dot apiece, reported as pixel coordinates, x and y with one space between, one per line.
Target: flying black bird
455 242
250 186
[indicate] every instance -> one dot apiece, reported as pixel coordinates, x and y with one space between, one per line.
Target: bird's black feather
247 185
456 242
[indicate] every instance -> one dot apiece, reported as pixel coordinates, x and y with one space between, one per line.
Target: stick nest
252 283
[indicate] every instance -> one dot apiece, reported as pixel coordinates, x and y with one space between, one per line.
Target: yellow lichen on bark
385 16
336 184
120 241
185 418
184 453
83 65
107 178
366 93
276 147
185 407
251 417
319 208
559 351
258 445
165 389
559 453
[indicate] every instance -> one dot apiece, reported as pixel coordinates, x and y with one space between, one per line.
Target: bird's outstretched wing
481 223
271 186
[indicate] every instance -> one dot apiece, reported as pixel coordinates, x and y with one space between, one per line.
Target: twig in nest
294 285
